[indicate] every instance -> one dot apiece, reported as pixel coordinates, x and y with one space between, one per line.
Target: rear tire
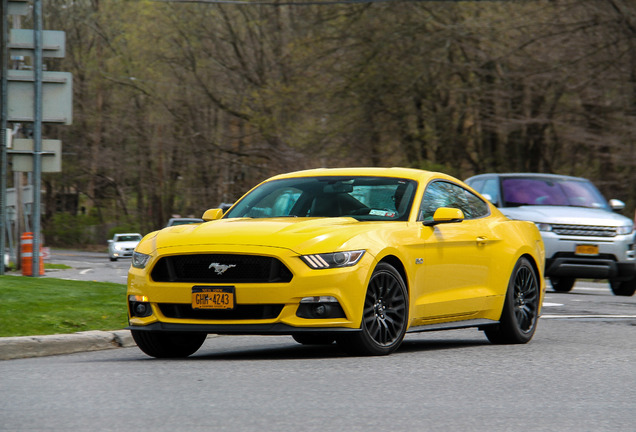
562 284
521 308
168 344
623 288
384 316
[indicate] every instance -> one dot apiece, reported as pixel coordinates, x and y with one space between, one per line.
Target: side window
443 194
491 188
478 208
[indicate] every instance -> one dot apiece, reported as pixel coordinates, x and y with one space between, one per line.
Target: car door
453 280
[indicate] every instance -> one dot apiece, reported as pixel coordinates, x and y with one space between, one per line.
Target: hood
566 215
296 234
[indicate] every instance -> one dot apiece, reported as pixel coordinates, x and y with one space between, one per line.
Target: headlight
117 247
624 230
333 260
543 226
139 260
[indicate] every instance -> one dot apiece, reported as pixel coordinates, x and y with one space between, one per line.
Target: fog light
319 299
320 307
320 310
139 306
141 309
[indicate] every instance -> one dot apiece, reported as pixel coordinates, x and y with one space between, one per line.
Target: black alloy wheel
521 307
384 317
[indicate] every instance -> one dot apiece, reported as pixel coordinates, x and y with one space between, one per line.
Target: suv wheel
624 288
562 284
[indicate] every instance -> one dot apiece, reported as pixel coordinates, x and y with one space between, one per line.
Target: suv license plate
213 297
586 250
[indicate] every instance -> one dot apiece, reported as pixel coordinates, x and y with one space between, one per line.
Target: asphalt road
89 266
577 374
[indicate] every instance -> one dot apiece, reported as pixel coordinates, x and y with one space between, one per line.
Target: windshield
130 237
363 198
551 192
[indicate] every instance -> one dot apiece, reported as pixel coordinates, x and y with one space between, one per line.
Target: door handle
481 240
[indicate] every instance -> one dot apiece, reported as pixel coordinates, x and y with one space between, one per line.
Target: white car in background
122 245
583 235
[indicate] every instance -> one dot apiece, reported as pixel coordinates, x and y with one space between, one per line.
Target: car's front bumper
616 257
240 329
170 303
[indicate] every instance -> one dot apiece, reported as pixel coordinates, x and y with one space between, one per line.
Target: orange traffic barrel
26 241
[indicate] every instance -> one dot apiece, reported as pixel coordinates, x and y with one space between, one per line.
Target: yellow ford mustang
359 256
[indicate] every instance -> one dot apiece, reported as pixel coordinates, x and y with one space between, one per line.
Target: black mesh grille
240 312
220 268
584 230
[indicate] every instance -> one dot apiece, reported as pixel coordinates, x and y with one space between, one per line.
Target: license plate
213 297
586 250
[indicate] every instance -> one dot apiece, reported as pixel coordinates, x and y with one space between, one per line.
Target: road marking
596 289
546 304
83 272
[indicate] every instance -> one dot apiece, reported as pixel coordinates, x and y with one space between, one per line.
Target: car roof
407 173
529 175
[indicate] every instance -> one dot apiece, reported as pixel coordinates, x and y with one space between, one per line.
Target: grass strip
40 306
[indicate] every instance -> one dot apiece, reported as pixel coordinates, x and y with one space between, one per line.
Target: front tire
314 339
562 284
521 307
623 288
168 344
384 316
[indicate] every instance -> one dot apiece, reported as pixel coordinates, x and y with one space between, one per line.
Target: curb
41 346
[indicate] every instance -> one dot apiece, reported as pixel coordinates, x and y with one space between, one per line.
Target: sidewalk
40 346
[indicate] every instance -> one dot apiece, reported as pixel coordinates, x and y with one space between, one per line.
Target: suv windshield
363 198
520 191
127 238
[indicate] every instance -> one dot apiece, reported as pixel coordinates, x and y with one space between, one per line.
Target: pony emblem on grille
221 268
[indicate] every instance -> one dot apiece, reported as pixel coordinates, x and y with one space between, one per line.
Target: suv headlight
543 226
624 230
333 260
139 260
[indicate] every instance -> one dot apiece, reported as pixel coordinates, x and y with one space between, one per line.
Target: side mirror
616 205
445 215
212 214
110 241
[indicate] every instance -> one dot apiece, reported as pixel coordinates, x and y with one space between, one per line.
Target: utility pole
37 134
3 134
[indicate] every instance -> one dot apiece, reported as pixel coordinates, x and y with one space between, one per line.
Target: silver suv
583 236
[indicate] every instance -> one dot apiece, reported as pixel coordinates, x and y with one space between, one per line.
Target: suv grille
584 230
220 268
